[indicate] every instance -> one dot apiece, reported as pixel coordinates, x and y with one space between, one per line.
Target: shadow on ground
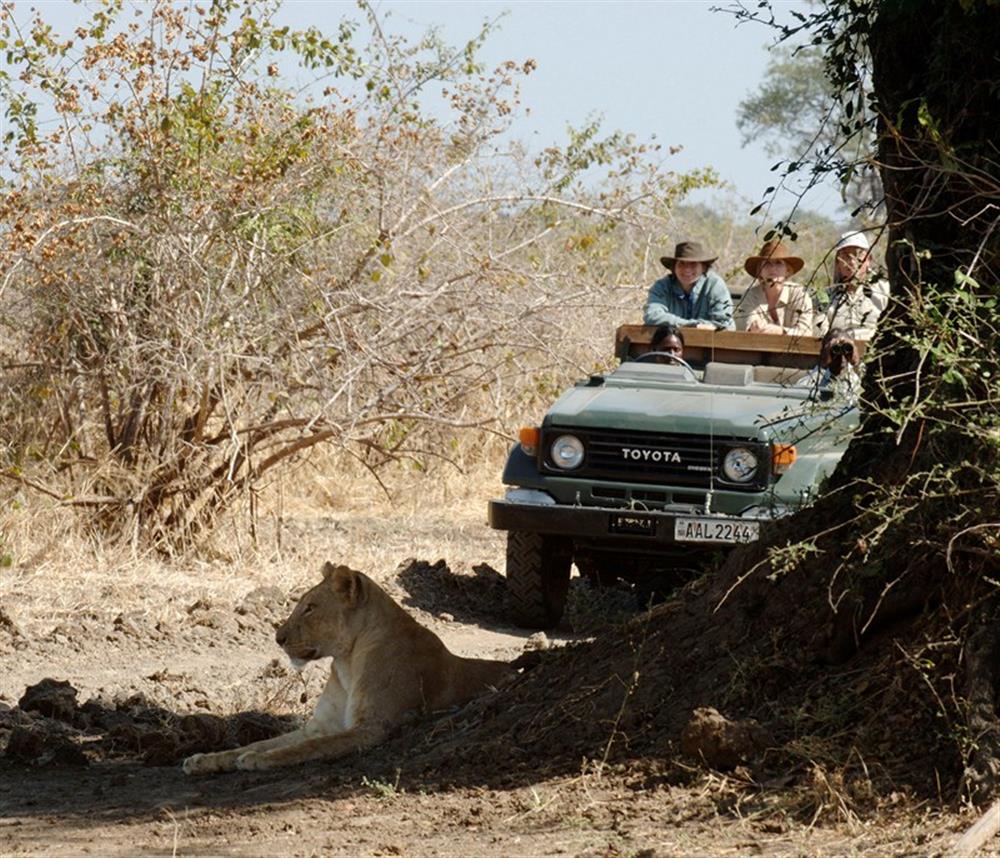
472 599
482 598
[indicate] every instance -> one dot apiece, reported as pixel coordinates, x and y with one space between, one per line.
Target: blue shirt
708 302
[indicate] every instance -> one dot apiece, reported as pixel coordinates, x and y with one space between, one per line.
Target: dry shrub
208 273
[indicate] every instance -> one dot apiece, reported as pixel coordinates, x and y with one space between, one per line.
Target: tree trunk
909 532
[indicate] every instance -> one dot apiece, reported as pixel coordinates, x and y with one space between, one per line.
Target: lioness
385 665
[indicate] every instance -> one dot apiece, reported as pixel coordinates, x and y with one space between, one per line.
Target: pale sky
673 68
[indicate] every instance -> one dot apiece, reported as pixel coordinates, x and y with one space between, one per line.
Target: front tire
538 569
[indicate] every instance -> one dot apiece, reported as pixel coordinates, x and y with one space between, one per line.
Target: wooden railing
729 346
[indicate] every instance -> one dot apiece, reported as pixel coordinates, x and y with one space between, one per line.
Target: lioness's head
325 621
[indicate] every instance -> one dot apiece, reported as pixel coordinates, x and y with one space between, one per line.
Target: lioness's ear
345 581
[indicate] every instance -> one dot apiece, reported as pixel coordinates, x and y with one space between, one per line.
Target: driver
669 340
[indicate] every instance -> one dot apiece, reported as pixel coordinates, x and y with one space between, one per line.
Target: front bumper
605 526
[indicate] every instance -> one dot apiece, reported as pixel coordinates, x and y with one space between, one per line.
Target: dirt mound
753 653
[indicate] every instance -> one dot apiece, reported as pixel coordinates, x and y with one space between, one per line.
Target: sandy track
208 649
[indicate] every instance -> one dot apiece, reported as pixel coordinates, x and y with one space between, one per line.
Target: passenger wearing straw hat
773 304
691 296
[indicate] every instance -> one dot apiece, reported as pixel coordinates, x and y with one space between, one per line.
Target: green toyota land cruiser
645 472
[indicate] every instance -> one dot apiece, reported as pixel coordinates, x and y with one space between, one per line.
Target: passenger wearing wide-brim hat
774 304
691 295
857 298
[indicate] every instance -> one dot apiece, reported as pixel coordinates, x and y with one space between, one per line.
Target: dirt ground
151 663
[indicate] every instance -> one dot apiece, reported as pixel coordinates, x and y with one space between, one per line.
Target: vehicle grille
652 457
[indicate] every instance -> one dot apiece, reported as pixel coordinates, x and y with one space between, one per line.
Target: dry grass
310 514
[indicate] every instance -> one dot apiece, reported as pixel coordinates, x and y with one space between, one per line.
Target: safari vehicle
645 472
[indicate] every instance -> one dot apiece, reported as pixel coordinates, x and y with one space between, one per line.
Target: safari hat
773 249
852 239
689 251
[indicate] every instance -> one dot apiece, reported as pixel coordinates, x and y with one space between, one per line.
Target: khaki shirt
855 312
794 309
880 293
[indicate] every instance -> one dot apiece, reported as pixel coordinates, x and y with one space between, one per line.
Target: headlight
740 465
567 452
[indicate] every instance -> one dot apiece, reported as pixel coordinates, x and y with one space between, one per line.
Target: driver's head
669 339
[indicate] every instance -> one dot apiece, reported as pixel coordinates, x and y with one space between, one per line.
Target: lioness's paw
193 765
253 761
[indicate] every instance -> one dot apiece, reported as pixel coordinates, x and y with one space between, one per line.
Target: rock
448 618
50 697
539 640
720 743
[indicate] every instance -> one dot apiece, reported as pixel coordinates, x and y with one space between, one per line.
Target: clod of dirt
206 615
124 738
135 624
203 729
266 603
720 743
275 669
50 697
157 746
161 739
38 746
11 717
7 626
162 748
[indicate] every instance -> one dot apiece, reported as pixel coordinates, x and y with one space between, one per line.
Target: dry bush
207 273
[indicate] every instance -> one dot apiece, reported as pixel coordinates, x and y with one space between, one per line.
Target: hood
763 412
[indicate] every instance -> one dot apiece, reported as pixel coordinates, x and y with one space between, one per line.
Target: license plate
715 530
626 522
